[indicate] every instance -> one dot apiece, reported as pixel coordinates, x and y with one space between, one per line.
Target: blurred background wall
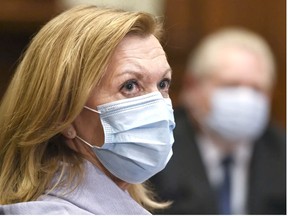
186 22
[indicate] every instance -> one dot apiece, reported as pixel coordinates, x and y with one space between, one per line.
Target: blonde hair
63 63
204 59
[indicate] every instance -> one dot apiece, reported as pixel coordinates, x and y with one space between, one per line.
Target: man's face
240 67
237 67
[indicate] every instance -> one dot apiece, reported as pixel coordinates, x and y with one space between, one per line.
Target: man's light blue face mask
238 113
138 136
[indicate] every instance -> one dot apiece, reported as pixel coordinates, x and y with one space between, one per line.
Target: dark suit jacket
184 180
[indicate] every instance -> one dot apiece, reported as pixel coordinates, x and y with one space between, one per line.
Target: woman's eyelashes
164 85
132 88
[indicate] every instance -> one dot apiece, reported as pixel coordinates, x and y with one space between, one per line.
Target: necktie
224 198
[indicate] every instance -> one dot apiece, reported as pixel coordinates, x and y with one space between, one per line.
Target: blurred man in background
228 158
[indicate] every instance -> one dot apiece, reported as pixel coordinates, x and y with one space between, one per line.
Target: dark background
186 22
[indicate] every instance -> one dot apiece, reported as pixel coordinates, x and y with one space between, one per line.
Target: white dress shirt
212 157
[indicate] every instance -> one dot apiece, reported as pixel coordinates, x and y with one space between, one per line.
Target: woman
87 117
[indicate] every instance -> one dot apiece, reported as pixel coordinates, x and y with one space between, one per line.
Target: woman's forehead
135 53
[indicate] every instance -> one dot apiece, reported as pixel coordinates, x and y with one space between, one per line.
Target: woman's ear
69 132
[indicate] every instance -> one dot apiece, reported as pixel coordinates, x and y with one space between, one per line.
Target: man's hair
204 58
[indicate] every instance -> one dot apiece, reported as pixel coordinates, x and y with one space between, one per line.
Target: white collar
212 155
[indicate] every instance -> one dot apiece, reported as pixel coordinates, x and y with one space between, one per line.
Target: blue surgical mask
138 136
238 113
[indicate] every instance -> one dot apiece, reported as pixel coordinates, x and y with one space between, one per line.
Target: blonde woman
87 117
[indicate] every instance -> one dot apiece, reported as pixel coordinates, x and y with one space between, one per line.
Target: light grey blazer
97 194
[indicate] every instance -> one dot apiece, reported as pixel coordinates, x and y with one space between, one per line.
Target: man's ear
69 132
189 81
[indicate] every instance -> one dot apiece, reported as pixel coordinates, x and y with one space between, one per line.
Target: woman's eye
130 87
164 84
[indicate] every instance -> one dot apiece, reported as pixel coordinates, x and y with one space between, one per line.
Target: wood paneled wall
19 21
187 21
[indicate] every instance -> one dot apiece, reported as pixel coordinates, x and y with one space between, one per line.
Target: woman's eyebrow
138 72
168 70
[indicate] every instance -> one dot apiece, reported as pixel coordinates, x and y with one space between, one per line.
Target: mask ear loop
93 110
84 141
